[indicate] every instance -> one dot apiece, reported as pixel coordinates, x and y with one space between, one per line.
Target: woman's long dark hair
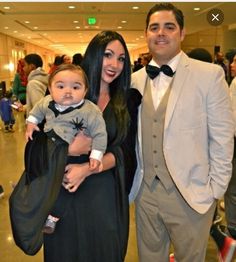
92 65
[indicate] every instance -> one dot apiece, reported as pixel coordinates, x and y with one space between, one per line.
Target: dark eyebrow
170 23
167 23
107 49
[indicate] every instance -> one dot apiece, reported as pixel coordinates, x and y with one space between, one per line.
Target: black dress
95 227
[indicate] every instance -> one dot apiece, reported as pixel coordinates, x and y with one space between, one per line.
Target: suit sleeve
220 133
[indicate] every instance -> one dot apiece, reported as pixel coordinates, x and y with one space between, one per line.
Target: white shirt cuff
32 119
96 154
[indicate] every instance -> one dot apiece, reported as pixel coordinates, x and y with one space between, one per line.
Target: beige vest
152 139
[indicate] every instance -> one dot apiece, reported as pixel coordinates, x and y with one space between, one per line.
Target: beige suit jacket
198 133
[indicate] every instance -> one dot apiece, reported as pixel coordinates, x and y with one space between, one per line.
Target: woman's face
233 67
113 62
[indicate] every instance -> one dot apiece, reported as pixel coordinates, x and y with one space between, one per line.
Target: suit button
154 151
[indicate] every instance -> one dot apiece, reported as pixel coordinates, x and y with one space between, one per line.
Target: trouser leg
163 217
230 203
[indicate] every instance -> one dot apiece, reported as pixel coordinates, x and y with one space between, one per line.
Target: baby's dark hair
8 94
69 67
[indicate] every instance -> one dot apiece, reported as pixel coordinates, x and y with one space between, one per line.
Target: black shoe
1 192
217 219
49 226
228 230
6 130
11 128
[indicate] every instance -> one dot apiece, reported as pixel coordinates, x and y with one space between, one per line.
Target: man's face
220 57
233 67
28 68
164 36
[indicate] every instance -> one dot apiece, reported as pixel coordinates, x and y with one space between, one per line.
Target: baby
67 112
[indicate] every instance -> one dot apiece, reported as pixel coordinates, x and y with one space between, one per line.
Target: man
230 195
138 65
37 80
219 60
185 144
225 236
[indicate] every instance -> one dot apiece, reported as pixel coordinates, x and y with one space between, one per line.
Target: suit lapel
176 87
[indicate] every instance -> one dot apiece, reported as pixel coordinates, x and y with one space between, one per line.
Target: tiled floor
11 167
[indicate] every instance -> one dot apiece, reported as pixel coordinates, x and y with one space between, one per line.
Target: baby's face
68 88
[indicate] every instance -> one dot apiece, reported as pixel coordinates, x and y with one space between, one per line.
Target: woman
20 83
96 226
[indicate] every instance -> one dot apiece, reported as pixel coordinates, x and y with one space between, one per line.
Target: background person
225 244
230 195
20 83
138 64
56 63
200 54
220 60
77 59
37 80
6 112
65 59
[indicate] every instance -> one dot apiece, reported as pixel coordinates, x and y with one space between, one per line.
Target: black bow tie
153 71
57 112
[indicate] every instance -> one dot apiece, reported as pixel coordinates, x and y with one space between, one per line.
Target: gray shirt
86 117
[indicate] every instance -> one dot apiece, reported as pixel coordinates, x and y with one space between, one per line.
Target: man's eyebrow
167 23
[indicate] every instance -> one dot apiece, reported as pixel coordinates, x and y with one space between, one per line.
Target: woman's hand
74 175
80 145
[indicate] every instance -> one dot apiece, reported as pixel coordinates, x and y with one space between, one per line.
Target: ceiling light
119 27
196 8
77 27
71 7
135 7
75 22
6 27
7 7
123 22
27 22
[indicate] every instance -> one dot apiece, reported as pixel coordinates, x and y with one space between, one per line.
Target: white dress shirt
160 84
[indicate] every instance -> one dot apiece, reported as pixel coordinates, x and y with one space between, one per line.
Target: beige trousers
164 218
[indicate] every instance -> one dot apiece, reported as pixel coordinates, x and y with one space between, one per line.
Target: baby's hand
30 128
95 164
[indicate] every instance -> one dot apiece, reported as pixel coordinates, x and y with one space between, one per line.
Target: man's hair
201 54
34 59
167 7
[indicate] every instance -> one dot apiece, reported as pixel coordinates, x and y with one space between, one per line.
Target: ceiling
54 26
